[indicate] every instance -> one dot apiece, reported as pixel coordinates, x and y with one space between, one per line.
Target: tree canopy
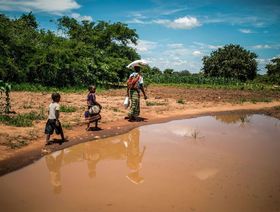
231 61
88 52
273 68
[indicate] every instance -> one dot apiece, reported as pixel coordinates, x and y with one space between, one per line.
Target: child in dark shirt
94 108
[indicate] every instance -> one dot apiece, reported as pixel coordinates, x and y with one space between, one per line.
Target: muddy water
221 163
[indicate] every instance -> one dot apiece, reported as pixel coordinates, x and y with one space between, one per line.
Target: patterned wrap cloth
135 103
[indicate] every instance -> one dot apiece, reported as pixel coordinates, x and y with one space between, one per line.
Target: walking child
53 123
94 108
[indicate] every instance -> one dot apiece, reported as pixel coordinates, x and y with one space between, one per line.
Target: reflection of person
91 115
92 156
54 163
135 84
134 157
53 123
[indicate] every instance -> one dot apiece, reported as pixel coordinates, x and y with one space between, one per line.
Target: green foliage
200 81
67 108
87 53
22 120
231 61
5 104
168 71
273 70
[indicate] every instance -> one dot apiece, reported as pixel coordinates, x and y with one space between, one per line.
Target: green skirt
134 104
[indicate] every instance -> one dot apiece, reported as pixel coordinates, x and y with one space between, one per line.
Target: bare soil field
20 146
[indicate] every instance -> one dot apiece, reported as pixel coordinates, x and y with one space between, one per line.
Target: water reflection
54 162
234 119
134 157
124 147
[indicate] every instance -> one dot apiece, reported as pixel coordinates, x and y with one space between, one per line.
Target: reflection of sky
175 167
245 127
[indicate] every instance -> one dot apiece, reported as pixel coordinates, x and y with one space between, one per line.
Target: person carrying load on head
135 84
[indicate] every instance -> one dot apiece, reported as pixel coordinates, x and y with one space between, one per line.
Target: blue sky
173 34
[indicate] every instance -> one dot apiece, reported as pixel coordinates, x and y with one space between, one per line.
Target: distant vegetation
231 61
86 53
83 53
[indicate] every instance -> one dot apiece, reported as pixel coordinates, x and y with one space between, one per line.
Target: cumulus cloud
78 17
245 31
197 53
186 22
50 6
144 45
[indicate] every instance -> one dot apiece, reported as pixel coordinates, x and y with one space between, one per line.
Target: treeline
229 65
87 53
84 53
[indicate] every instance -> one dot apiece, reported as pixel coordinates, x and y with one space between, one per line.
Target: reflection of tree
54 164
134 156
233 118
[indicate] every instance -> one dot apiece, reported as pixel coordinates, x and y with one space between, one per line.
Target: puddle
221 163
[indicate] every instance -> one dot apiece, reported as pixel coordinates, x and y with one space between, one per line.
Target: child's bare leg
96 124
88 125
62 135
48 138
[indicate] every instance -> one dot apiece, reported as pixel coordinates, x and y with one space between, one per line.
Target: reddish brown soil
163 104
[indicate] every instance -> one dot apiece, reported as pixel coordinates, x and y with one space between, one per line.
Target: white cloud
136 21
177 52
260 46
237 20
78 17
50 6
245 31
207 46
197 53
175 45
186 22
263 61
266 46
144 45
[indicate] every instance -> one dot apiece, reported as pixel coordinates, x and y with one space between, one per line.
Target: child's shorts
51 126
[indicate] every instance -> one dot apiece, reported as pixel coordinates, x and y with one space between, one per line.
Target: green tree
231 61
90 52
168 71
273 70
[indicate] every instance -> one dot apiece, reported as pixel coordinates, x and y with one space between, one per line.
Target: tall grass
196 81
